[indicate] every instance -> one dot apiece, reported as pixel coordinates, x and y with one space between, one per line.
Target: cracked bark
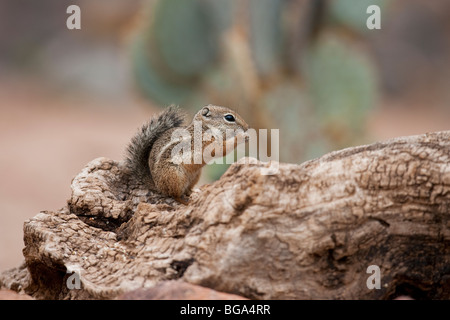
308 232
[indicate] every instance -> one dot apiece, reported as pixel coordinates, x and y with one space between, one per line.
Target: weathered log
308 232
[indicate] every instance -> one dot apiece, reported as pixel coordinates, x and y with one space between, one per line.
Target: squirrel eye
229 118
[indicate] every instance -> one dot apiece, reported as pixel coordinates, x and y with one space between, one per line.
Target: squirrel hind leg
193 182
173 183
183 200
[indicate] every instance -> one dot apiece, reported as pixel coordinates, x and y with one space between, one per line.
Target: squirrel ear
206 112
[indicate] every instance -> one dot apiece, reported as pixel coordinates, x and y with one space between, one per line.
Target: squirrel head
221 118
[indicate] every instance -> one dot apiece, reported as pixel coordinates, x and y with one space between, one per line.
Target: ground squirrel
153 158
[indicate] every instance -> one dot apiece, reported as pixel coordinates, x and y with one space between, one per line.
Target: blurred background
310 68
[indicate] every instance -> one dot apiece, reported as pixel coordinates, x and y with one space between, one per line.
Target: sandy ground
46 139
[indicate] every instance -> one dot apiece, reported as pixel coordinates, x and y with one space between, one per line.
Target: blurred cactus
266 35
353 13
151 82
184 38
177 44
342 87
279 63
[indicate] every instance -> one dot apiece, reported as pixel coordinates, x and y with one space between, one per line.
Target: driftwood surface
308 232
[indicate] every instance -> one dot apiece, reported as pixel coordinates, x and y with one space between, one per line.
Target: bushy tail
141 144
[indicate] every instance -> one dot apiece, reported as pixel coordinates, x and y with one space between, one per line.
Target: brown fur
161 174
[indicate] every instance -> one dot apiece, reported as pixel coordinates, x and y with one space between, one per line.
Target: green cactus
184 36
176 47
353 13
266 37
181 57
342 85
151 83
